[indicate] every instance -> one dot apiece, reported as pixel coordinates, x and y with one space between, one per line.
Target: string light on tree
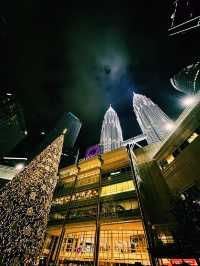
24 207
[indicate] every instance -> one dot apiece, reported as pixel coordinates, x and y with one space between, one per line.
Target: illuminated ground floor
120 243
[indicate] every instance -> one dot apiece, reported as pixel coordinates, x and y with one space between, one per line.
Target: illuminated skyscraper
152 120
111 132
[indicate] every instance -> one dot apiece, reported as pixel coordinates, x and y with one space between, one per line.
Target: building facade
154 123
169 176
95 218
11 123
187 80
111 132
185 17
178 155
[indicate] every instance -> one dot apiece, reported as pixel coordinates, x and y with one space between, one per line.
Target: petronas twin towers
154 123
111 132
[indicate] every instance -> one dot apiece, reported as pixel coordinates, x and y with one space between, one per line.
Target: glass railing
119 196
74 204
117 178
135 213
91 215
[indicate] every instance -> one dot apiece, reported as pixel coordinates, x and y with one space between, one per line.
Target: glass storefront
101 222
120 244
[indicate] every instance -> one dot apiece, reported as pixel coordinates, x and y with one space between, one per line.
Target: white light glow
169 126
64 130
15 158
19 166
115 173
188 100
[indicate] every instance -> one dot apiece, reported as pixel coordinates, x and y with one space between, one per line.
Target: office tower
185 16
187 80
154 123
111 132
95 217
68 124
12 126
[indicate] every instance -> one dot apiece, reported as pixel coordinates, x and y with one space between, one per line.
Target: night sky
59 57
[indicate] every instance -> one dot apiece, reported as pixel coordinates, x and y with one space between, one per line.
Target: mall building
130 205
95 210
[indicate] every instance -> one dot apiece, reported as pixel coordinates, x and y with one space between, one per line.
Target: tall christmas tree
24 207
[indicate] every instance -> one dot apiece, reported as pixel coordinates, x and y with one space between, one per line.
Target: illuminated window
78 245
192 137
58 216
61 200
125 246
166 239
170 158
117 188
87 180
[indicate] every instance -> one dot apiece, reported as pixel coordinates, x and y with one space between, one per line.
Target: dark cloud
80 59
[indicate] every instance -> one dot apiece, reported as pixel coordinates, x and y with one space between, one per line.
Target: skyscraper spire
111 132
152 120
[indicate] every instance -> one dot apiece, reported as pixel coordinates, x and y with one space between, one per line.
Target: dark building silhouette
12 125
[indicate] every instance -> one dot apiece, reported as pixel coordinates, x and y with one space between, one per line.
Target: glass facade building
187 80
95 218
184 11
154 123
111 132
11 123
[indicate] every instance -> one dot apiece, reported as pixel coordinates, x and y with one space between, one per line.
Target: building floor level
120 243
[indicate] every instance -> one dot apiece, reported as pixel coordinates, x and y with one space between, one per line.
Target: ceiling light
65 131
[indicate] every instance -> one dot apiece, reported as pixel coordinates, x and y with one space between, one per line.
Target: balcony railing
62 190
124 214
124 176
86 187
127 214
91 201
74 204
119 196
